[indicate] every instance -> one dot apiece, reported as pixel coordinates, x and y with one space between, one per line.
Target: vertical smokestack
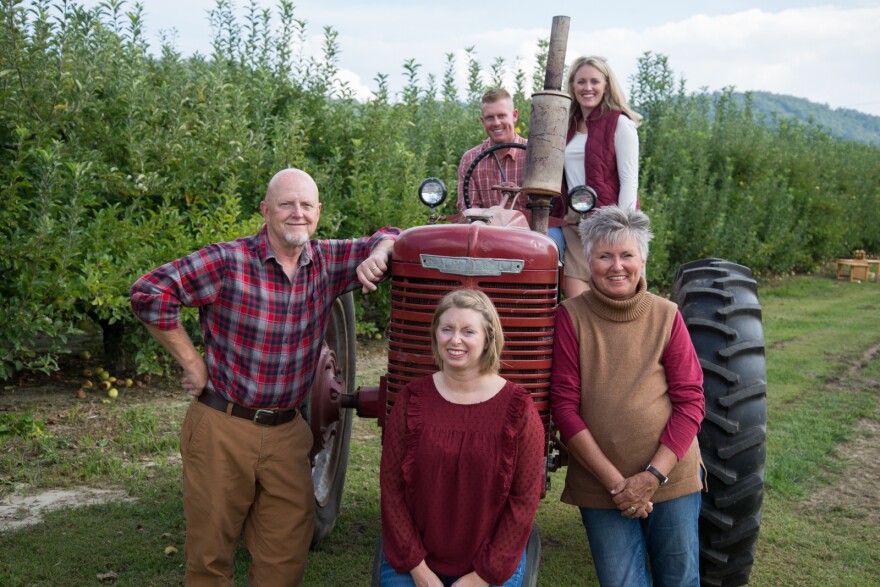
545 155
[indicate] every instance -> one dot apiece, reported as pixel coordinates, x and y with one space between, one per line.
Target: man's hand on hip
195 378
177 342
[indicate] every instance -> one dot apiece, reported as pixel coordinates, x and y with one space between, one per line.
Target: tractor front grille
527 316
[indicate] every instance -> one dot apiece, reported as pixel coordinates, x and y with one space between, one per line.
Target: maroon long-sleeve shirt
460 483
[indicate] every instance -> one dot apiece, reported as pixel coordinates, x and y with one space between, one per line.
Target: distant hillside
849 125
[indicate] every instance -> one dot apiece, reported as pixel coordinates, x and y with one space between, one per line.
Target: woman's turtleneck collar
619 310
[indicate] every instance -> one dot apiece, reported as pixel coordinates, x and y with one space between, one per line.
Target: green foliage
114 160
476 87
21 425
719 180
541 65
844 123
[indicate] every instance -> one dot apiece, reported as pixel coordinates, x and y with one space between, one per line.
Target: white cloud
826 53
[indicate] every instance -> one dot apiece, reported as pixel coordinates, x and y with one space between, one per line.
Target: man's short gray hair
613 225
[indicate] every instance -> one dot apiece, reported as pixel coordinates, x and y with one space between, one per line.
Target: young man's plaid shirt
487 174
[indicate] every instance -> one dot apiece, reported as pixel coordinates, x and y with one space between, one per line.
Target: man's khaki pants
241 476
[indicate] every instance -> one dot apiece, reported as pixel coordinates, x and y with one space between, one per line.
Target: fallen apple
112 393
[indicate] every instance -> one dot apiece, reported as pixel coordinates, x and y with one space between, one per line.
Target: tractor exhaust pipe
545 155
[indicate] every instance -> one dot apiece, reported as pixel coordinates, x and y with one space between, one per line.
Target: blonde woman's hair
471 299
614 97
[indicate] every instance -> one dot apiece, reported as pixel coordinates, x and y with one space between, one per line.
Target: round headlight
432 192
582 198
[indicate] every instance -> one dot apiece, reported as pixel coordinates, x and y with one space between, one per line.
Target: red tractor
507 255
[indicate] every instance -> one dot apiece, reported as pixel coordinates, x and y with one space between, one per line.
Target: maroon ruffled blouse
460 483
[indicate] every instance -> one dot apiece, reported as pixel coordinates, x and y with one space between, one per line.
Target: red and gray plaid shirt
487 174
262 333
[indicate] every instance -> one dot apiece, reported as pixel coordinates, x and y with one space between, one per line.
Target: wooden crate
858 269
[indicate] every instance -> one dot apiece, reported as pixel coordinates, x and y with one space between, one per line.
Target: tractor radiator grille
527 317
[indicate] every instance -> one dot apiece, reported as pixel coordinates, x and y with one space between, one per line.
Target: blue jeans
668 537
391 578
555 233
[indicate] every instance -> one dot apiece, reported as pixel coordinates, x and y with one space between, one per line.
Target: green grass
822 382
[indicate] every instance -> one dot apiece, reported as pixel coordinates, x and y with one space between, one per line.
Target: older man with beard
264 302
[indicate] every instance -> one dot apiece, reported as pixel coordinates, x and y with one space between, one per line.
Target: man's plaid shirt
262 333
487 174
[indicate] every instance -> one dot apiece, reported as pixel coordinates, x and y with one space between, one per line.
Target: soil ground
857 488
51 397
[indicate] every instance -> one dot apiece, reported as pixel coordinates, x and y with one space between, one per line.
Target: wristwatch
660 476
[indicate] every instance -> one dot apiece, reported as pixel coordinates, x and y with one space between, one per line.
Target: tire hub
325 410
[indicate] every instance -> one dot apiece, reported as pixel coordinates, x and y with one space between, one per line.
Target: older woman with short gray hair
627 397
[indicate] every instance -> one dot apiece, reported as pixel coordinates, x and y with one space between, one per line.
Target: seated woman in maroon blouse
462 460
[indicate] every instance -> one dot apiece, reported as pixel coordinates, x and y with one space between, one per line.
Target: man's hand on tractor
373 269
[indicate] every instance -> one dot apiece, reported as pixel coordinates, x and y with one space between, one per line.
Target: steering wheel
465 191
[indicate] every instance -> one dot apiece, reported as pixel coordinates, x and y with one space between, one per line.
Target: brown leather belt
257 416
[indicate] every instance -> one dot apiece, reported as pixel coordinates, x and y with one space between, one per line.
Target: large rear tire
331 425
719 303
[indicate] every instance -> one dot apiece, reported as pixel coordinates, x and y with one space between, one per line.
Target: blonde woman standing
602 152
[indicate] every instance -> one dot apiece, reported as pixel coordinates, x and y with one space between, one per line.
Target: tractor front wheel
330 424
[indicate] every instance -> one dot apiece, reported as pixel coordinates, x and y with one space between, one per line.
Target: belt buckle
257 416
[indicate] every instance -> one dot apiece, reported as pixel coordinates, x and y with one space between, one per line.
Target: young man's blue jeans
391 578
555 232
668 537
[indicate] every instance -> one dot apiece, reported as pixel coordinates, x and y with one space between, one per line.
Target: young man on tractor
498 117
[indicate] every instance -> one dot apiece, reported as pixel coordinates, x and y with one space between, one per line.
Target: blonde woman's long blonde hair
614 97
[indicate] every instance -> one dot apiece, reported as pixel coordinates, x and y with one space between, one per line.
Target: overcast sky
827 52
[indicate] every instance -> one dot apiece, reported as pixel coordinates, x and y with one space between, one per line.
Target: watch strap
656 473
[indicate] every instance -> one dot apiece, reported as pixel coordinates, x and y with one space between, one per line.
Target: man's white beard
295 239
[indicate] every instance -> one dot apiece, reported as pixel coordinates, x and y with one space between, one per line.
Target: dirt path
857 488
20 509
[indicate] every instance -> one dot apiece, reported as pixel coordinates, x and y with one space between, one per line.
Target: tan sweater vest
624 395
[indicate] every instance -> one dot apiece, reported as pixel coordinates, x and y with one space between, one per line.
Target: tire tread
719 303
